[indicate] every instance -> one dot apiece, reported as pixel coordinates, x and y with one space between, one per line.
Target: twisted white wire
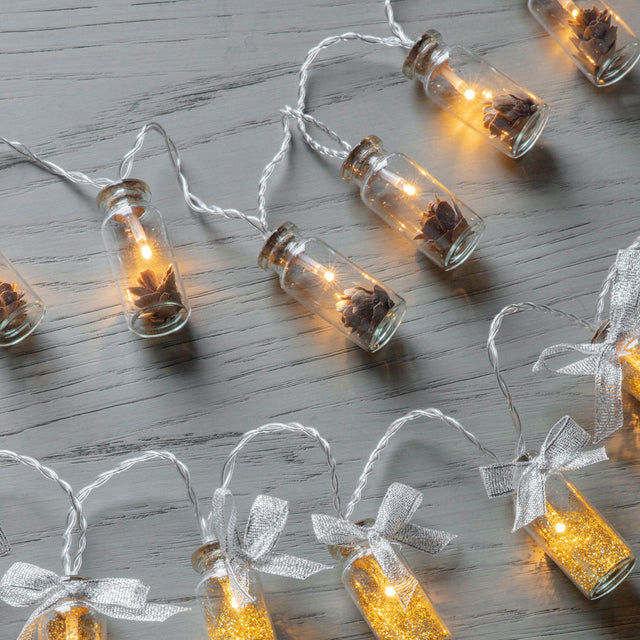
76 503
193 202
606 286
303 81
492 352
278 427
125 465
77 177
392 429
396 29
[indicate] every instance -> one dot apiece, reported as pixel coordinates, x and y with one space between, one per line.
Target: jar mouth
617 65
464 245
610 580
130 190
21 323
531 131
356 166
159 319
419 55
271 253
388 326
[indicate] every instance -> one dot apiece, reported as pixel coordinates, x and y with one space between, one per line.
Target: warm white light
561 527
146 251
234 603
390 591
575 13
469 94
329 276
409 189
487 94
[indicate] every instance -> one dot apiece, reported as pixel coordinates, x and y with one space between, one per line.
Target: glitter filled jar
71 619
629 354
580 541
334 288
471 89
413 203
600 44
224 617
380 606
21 310
141 257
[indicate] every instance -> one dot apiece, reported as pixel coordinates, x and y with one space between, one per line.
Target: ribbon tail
531 500
609 410
150 612
289 566
336 531
430 541
400 578
583 367
400 502
498 479
267 519
240 583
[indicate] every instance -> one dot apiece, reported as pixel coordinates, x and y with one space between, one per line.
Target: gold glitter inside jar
71 620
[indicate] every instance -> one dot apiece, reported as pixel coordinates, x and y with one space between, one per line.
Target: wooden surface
78 79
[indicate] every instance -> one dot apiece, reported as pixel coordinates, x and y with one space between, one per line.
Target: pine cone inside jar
161 294
595 37
363 309
507 113
442 223
10 301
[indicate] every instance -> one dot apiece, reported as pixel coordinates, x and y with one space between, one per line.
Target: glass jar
71 619
20 308
580 541
600 44
471 89
378 602
413 203
144 267
629 355
334 288
224 617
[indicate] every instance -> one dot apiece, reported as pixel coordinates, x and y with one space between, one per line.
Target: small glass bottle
580 541
600 44
142 260
413 203
224 617
20 308
629 354
378 602
471 89
71 619
331 286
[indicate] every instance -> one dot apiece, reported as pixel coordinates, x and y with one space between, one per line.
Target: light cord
494 359
278 427
396 29
125 465
392 429
76 503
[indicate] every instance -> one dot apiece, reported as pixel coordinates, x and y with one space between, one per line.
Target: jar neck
362 160
123 198
428 53
282 245
601 334
208 558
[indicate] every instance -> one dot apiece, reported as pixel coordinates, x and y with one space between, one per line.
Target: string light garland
592 34
144 267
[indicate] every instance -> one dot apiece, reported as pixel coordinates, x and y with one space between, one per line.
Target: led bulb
71 620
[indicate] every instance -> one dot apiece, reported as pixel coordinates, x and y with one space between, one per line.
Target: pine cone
596 38
362 309
441 220
149 293
508 113
10 300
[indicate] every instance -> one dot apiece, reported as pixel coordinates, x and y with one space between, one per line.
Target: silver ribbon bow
267 518
5 547
26 585
391 526
562 449
603 359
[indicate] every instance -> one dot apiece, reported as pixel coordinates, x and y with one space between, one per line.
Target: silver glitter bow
603 359
26 585
5 547
562 449
391 526
267 518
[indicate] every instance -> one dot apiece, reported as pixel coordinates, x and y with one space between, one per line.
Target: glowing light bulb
561 527
487 95
469 94
575 13
329 276
234 603
146 251
390 591
409 189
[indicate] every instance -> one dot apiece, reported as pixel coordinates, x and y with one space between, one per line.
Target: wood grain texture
78 79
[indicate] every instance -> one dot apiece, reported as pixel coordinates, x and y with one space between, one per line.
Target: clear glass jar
600 44
629 356
71 619
413 203
580 541
379 604
331 286
224 618
21 310
471 89
144 267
